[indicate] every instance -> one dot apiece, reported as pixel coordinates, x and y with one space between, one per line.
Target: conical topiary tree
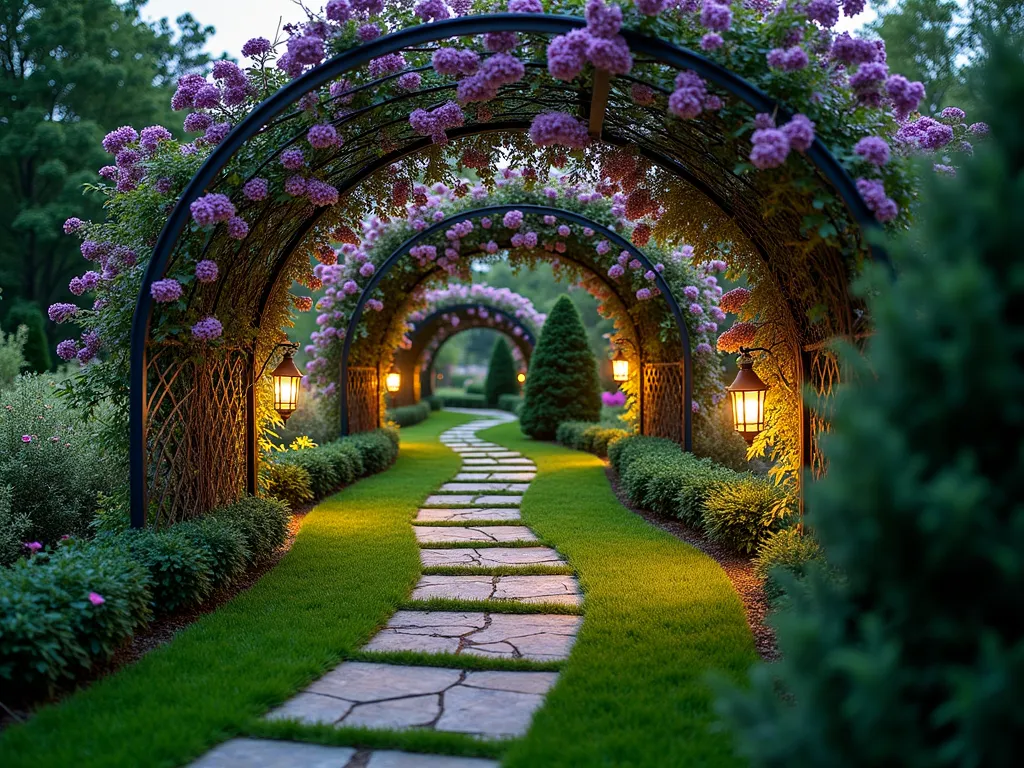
562 384
913 654
501 374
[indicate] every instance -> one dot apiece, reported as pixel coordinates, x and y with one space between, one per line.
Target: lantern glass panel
393 381
620 370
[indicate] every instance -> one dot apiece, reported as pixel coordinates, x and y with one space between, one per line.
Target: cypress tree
914 654
37 346
562 384
501 374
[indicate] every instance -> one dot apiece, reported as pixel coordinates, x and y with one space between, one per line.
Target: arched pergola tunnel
665 387
696 154
416 363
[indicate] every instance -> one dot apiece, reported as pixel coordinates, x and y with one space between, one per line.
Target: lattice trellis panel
363 400
196 432
823 376
663 400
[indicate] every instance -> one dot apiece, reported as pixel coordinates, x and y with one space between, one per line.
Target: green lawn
354 561
660 616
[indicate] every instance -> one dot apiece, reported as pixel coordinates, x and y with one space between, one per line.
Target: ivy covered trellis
726 150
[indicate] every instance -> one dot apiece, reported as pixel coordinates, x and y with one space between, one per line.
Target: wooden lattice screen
196 431
823 375
363 400
662 409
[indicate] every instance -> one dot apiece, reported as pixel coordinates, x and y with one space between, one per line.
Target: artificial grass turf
354 561
660 617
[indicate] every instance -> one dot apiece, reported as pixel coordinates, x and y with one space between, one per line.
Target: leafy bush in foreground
915 655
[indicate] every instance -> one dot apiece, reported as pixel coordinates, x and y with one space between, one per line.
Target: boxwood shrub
262 522
324 476
785 552
62 612
225 542
288 482
464 401
743 513
589 436
510 403
407 415
181 572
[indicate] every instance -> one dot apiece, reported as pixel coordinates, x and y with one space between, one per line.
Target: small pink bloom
26 438
96 599
33 546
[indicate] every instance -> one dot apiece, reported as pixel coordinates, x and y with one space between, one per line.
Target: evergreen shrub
501 374
562 384
785 551
407 415
290 483
743 512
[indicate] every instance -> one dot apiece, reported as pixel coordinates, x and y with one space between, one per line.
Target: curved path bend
471 523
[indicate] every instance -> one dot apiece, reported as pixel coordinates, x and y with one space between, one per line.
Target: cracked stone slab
466 513
409 712
362 682
498 501
446 500
312 709
473 487
514 477
392 759
265 753
522 589
498 704
453 533
540 637
490 557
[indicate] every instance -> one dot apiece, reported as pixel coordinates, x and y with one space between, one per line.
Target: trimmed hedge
510 403
290 483
588 436
435 402
407 415
462 401
63 612
501 374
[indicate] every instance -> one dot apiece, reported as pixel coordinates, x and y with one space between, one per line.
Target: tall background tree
943 43
72 70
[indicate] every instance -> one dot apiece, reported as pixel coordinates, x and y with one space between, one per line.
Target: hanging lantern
746 394
521 377
287 379
620 367
393 381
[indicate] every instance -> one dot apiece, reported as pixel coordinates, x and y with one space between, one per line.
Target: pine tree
37 347
562 384
501 374
914 654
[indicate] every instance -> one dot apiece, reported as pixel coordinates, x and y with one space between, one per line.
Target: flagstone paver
453 533
258 753
525 589
391 759
466 513
490 557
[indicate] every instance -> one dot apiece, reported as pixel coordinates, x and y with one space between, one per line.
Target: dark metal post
251 465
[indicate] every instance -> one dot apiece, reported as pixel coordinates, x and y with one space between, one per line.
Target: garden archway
685 149
416 363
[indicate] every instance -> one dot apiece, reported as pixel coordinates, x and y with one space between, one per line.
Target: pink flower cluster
600 44
435 122
771 146
559 129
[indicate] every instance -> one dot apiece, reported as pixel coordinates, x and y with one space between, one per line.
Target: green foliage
407 415
475 388
510 403
587 436
714 438
462 401
50 458
562 384
263 523
224 542
913 656
311 419
53 123
324 476
288 482
786 551
378 449
501 374
37 348
14 527
180 570
742 513
50 632
436 403
12 357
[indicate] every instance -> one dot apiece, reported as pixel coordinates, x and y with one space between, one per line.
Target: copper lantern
287 380
746 395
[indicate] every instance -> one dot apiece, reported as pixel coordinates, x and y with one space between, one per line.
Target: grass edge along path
354 561
660 616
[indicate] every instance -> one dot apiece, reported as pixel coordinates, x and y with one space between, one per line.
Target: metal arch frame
402 251
276 104
418 352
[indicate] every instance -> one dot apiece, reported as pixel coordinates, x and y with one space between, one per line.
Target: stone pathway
472 521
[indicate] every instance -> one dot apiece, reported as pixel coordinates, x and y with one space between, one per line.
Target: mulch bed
738 568
154 634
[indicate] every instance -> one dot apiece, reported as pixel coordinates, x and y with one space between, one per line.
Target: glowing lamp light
620 367
746 395
287 379
521 378
393 381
